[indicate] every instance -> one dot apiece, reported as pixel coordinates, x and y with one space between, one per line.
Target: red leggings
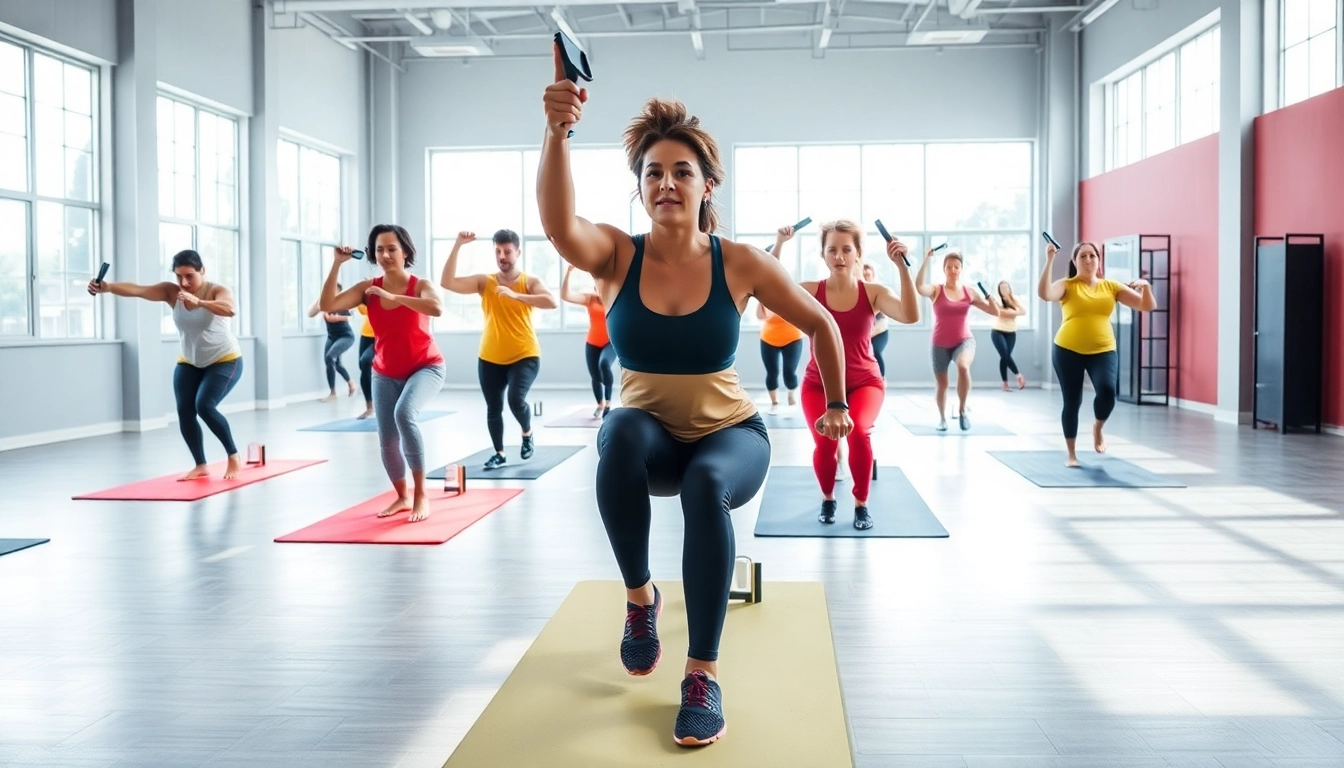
864 404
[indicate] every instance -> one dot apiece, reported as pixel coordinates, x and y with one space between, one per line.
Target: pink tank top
856 336
950 324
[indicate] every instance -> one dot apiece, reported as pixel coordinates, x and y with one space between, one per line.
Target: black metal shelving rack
1144 339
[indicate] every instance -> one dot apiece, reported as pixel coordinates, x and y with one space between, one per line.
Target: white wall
322 89
85 27
205 49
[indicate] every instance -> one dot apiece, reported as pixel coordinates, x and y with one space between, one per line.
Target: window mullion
34 295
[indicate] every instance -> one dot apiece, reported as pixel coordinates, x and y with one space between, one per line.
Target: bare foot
328 398
400 505
1005 386
231 470
420 511
1021 381
367 414
1098 440
793 399
201 470
1072 461
351 384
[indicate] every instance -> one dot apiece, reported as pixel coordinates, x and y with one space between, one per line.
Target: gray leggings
396 404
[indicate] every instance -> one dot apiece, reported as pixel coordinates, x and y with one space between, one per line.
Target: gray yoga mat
792 501
369 424
581 418
930 429
14 545
1046 469
784 420
546 458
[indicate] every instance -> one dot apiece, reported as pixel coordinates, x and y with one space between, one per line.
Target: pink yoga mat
360 524
169 488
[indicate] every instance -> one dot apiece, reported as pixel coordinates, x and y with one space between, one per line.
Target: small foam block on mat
1046 469
579 417
978 429
14 545
369 424
170 488
360 524
786 420
546 458
792 501
570 704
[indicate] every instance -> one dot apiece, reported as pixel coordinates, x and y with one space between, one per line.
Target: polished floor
1196 628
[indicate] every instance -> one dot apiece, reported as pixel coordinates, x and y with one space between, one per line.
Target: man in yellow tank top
510 355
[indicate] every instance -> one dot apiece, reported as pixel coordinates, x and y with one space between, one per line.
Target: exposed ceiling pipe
782 28
1091 14
927 10
343 36
1025 9
355 6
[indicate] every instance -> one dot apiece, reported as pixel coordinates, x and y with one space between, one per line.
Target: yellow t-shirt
365 330
1087 316
508 336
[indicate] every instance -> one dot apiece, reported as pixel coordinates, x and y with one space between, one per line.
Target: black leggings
1004 341
789 354
879 346
336 346
638 458
517 378
599 370
1102 368
199 392
366 367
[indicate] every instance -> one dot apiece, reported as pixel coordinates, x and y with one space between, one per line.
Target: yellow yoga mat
570 704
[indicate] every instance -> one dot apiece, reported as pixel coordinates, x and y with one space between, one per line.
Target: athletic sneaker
862 520
606 411
942 425
700 719
827 511
640 649
527 450
495 461
965 421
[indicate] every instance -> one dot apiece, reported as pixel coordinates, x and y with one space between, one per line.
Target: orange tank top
597 324
778 333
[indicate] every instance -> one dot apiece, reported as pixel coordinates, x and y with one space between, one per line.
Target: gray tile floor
1200 627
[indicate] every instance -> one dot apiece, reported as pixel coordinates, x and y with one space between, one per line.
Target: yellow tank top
365 330
1086 326
508 336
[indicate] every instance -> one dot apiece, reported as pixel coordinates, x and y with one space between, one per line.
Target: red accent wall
1174 193
1299 188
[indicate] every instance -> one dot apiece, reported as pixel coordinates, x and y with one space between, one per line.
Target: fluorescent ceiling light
952 36
1095 13
698 41
439 46
825 38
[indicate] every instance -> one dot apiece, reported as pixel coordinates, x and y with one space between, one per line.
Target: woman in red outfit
854 304
408 369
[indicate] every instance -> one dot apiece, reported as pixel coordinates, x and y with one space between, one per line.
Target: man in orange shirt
510 355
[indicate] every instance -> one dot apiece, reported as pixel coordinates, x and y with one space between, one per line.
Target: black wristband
837 406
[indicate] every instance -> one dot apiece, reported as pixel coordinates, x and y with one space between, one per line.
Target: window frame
31 199
237 283
924 236
310 326
1281 49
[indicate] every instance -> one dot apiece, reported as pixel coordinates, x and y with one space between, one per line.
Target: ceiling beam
1093 12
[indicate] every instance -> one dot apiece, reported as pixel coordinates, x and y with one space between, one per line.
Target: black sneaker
827 511
640 649
700 719
965 421
862 520
495 462
606 411
527 450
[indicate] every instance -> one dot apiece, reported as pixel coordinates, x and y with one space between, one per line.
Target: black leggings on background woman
1004 343
789 355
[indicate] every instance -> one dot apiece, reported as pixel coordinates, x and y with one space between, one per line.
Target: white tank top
206 337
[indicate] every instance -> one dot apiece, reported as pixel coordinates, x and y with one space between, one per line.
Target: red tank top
856 335
403 344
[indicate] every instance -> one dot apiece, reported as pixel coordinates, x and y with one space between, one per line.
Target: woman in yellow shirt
366 362
1085 342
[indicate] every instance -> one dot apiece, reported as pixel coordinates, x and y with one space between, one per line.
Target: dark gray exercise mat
370 424
792 501
784 420
1046 469
546 458
930 428
14 545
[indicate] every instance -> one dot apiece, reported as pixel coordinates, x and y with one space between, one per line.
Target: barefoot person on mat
408 370
674 300
1085 342
210 361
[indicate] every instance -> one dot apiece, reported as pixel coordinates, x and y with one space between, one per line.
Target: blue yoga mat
792 501
369 424
1046 469
14 545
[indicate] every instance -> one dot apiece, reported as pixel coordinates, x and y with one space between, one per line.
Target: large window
482 191
48 195
976 196
310 226
198 192
1310 61
1163 102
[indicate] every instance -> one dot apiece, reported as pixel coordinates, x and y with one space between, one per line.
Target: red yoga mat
360 524
169 488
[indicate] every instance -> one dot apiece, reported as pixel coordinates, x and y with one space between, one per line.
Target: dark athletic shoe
526 452
700 719
640 649
495 462
827 511
965 422
606 411
862 520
